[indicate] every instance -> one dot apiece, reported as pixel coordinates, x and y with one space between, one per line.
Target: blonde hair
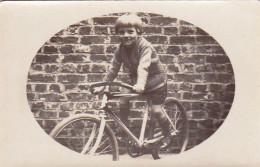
129 20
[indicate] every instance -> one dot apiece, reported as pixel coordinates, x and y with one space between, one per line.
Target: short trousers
158 96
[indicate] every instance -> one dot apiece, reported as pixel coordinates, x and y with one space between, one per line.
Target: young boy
145 69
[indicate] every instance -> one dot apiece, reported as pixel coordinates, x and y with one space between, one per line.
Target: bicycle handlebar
107 83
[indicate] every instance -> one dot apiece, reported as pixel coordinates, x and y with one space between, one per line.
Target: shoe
165 142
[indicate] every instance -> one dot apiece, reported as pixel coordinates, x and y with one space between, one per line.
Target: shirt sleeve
144 64
114 67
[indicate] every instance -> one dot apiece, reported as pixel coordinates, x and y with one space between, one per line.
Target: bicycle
91 134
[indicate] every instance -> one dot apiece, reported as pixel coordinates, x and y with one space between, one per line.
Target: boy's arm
144 64
113 68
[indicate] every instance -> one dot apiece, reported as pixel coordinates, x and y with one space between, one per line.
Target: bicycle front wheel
179 128
84 134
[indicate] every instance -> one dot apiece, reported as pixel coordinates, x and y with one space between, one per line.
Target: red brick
163 21
157 39
93 40
199 115
47 59
52 106
84 30
50 68
82 106
187 30
173 50
167 59
229 68
100 30
152 30
80 97
221 78
41 78
187 77
66 49
50 124
71 78
67 106
96 68
197 106
37 67
64 114
98 58
229 97
52 97
37 106
74 58
188 67
189 49
172 86
199 88
85 68
95 77
210 49
55 88
68 68
28 88
111 49
159 49
203 68
47 114
194 96
185 86
40 88
104 20
198 59
50 49
205 40
206 124
64 40
199 31
173 68
230 87
71 30
217 59
170 31
114 39
182 40
69 86
218 68
97 49
214 106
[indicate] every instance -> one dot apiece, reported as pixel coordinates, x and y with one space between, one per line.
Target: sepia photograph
127 86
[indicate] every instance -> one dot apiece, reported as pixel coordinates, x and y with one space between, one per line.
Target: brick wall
200 74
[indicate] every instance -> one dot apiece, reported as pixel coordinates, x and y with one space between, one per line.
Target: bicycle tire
79 130
180 131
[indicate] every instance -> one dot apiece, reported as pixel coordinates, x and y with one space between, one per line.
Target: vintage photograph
133 84
174 90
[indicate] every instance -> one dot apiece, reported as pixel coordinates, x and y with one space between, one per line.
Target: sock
165 125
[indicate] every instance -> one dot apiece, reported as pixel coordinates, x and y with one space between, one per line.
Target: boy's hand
139 88
99 89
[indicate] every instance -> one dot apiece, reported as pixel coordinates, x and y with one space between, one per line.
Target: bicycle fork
92 135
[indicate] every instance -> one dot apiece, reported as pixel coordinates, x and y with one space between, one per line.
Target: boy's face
128 36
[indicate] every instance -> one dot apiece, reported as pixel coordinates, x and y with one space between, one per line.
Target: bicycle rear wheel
80 133
179 127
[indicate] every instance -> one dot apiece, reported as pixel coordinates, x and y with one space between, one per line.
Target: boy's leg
124 107
157 98
162 119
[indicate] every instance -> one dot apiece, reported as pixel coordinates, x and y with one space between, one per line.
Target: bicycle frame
140 142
